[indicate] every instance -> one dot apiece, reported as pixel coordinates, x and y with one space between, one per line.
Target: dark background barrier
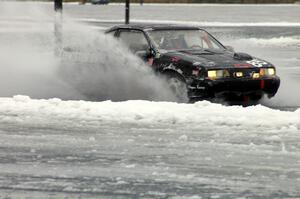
206 1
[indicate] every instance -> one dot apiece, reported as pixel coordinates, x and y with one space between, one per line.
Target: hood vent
242 56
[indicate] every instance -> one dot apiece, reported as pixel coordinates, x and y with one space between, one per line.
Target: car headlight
255 75
216 74
271 71
267 72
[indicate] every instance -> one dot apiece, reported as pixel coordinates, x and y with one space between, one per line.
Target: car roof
153 27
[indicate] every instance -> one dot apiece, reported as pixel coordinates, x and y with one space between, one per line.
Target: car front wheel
178 86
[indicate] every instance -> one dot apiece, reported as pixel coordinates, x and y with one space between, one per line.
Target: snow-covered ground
137 149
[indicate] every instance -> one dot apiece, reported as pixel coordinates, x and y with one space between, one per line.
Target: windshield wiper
212 51
196 51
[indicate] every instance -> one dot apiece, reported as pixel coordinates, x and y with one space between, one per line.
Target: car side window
134 40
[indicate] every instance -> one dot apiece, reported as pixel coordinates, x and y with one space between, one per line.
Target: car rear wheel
178 86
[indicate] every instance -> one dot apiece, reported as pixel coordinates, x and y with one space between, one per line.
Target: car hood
216 58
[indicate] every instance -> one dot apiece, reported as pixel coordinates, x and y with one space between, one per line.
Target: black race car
198 65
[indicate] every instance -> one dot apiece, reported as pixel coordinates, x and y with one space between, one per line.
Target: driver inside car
173 42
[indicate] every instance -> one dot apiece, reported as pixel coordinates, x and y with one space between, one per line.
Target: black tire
178 86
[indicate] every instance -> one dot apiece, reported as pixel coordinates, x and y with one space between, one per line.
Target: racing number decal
257 63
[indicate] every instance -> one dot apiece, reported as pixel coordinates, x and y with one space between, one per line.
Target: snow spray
90 66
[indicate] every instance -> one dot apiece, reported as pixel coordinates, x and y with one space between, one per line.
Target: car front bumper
238 87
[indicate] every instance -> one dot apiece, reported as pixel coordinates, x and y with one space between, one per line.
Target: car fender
177 72
171 67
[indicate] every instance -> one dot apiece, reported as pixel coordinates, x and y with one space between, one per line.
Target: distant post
127 11
58 7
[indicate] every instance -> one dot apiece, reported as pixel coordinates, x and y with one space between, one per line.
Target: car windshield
183 39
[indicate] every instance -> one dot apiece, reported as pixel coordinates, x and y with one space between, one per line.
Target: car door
136 42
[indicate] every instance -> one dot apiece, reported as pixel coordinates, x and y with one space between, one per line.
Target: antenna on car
127 4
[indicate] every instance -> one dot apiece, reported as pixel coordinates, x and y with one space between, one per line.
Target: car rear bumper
238 87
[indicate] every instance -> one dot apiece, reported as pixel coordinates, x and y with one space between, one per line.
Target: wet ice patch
200 23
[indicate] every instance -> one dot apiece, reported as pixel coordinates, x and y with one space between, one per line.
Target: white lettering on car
257 62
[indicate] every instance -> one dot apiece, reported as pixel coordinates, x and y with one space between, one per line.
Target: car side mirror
143 54
230 48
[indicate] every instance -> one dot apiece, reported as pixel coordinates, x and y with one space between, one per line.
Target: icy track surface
141 149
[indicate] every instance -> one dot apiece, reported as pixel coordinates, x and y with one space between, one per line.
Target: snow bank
201 114
275 41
